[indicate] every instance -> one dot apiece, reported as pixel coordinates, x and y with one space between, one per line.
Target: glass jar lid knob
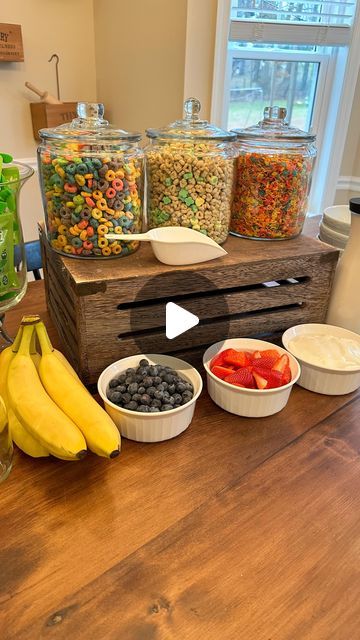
274 113
192 107
90 114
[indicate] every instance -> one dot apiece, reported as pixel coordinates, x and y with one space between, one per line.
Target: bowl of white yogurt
329 357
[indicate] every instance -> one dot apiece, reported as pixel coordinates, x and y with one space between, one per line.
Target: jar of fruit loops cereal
190 172
91 178
273 177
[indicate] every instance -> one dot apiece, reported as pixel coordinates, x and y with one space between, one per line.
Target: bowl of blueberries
150 397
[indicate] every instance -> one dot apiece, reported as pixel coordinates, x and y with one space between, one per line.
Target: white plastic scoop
176 245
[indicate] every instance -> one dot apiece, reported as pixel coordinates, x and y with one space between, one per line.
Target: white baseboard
348 183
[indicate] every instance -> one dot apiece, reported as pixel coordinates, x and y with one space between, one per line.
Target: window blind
318 22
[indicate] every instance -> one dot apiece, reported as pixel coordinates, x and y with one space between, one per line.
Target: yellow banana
101 434
36 410
22 438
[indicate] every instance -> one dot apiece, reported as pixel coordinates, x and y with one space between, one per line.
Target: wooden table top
239 529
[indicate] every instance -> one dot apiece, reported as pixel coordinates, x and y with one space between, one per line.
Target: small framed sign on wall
11 44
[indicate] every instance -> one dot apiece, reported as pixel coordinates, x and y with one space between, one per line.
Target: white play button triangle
178 320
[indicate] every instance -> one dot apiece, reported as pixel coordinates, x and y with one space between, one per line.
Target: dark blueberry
142 371
151 391
129 379
126 397
122 377
177 398
169 378
113 383
130 371
121 388
145 399
141 390
157 380
181 387
153 409
158 395
133 387
187 394
161 388
153 371
176 406
171 400
171 388
166 407
136 397
189 386
147 382
162 375
114 396
138 378
156 403
143 408
132 406
144 363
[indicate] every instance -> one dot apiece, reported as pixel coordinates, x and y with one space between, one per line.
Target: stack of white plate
335 226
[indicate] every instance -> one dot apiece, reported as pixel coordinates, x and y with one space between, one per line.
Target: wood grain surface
239 529
122 301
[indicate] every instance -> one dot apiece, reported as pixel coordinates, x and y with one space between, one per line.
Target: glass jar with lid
273 177
91 178
190 172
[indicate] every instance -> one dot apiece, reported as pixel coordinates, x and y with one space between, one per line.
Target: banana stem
42 334
24 348
16 343
33 343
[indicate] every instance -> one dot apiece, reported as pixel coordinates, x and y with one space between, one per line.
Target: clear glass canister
190 172
273 177
91 178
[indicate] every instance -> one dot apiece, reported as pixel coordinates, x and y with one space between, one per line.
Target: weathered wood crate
108 309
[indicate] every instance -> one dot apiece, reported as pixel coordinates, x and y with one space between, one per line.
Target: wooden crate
93 303
45 115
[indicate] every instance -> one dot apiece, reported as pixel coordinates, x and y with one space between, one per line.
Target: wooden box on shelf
105 310
45 115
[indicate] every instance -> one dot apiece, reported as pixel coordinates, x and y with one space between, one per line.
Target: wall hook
56 57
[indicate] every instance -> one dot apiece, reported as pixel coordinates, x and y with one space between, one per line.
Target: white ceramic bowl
338 218
252 403
332 382
336 239
157 426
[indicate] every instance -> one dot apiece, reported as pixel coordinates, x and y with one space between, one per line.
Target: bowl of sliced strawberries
249 377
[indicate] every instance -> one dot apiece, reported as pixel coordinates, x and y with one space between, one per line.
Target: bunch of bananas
49 409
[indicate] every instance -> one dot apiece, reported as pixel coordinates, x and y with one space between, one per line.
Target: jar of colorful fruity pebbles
91 178
190 175
273 177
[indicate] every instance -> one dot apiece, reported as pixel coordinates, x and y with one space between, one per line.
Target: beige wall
48 26
140 58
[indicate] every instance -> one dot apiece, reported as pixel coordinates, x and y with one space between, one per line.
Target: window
300 55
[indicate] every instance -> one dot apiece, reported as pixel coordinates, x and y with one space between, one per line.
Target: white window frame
332 109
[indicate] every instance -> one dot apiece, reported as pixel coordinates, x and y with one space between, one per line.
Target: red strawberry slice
267 362
237 358
219 358
261 383
286 375
273 378
270 352
221 372
241 378
282 363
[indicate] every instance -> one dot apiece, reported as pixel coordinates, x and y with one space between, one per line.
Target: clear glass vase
13 277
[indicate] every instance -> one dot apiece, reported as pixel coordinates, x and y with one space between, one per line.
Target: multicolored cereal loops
271 194
85 197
